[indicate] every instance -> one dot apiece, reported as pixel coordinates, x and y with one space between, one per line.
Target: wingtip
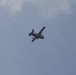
32 41
44 27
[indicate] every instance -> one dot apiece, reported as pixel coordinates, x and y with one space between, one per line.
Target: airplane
37 35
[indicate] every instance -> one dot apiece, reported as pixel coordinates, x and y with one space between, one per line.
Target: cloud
51 8
12 6
47 8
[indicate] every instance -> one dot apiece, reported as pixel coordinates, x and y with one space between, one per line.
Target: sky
55 55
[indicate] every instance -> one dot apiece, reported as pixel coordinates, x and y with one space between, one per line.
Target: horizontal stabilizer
31 32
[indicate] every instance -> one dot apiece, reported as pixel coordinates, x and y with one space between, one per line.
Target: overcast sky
55 55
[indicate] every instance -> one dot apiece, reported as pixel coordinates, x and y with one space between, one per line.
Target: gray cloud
51 8
46 8
13 6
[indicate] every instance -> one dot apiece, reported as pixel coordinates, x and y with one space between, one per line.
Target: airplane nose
43 37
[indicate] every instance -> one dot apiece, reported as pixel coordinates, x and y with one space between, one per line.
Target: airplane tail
31 32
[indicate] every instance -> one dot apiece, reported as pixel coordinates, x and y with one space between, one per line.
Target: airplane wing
41 30
33 39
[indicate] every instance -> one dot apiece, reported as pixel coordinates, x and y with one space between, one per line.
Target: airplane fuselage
37 36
